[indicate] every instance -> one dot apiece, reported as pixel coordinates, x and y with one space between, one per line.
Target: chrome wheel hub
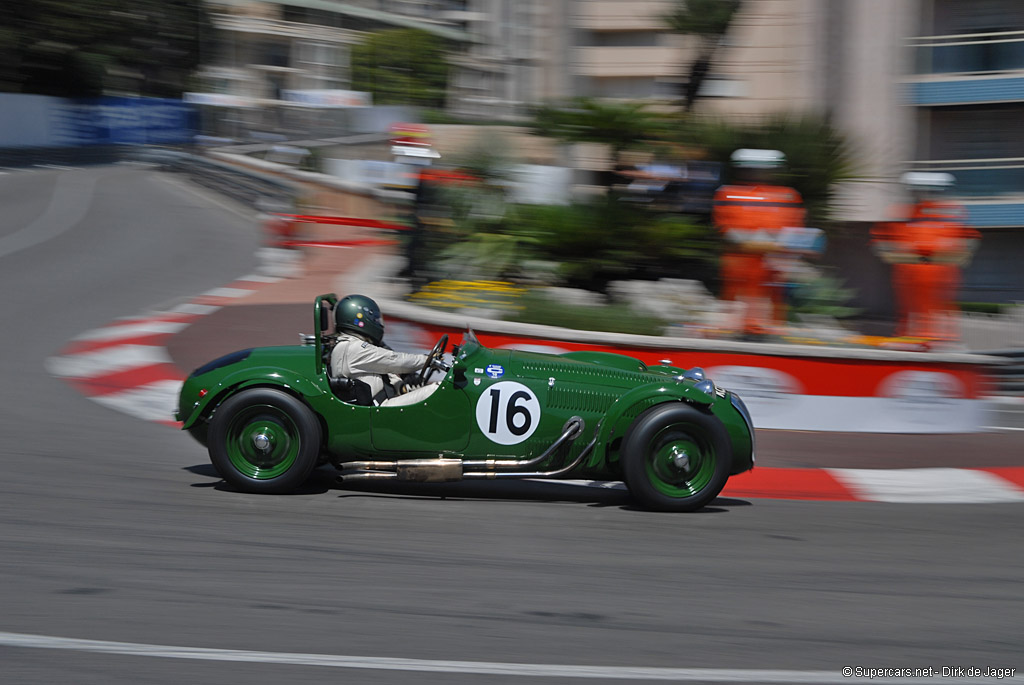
680 459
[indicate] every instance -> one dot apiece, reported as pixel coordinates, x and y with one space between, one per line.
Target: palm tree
819 157
709 21
619 125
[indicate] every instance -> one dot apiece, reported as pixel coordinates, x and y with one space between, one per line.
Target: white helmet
927 180
748 158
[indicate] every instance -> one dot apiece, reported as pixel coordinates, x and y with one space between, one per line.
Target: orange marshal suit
750 218
927 250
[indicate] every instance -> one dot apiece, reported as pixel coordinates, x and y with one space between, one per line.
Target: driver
360 354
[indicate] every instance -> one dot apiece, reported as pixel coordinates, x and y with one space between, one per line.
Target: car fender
625 409
270 376
610 359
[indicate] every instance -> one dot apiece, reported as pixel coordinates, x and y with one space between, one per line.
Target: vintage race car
270 415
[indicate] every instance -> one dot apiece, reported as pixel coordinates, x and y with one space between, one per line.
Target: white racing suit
358 359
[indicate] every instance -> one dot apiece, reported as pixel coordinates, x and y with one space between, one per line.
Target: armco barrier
243 185
793 387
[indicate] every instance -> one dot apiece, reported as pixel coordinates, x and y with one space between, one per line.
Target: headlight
694 374
706 386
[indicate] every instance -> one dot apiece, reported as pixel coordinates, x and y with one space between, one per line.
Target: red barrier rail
346 221
368 242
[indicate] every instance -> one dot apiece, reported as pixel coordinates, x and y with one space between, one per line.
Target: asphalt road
114 530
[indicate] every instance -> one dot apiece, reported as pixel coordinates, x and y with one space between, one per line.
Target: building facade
915 85
270 54
966 91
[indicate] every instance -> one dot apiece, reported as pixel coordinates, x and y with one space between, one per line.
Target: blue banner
123 121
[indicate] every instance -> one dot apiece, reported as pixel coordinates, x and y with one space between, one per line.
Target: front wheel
676 458
264 440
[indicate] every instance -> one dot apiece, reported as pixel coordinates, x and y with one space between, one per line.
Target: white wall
25 121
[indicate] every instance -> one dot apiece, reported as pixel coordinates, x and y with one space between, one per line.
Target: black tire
676 457
264 441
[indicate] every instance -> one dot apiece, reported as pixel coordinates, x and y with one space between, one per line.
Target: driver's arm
368 358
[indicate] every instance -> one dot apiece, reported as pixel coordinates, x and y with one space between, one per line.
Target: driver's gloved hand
398 383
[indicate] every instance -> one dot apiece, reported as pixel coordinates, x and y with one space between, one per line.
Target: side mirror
324 317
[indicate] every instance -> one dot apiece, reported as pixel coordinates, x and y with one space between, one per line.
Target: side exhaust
438 470
444 469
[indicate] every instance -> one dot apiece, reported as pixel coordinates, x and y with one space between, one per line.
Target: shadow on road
523 490
324 480
318 483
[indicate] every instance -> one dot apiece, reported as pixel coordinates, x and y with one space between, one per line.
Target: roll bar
321 320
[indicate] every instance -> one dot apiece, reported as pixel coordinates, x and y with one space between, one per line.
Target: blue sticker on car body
495 371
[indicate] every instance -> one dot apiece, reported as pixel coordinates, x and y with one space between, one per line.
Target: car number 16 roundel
508 412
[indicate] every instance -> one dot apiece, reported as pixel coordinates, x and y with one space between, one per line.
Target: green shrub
983 307
607 240
535 307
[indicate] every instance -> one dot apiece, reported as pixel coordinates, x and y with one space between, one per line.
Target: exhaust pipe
415 470
497 475
443 470
572 429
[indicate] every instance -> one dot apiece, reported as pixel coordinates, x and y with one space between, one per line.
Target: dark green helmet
359 314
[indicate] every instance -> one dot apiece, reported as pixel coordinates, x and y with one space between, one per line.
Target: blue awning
966 91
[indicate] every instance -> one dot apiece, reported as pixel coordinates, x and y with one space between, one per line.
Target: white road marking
260 278
152 402
106 361
134 330
72 198
194 308
227 292
951 485
707 675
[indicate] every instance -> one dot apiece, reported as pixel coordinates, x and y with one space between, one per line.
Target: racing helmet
361 315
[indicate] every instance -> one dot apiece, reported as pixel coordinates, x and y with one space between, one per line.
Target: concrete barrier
793 387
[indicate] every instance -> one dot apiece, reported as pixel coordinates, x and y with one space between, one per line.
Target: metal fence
250 187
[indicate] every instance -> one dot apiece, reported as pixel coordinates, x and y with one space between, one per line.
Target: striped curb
908 486
125 366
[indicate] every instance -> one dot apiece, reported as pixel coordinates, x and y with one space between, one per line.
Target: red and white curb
908 486
125 366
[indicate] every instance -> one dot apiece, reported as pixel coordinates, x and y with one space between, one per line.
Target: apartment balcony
969 90
262 26
992 189
618 62
968 69
615 15
970 54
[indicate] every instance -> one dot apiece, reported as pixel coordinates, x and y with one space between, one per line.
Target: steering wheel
434 354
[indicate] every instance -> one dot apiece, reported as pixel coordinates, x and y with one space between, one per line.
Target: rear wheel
676 458
264 440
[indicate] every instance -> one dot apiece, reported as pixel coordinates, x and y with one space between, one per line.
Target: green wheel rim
680 464
262 442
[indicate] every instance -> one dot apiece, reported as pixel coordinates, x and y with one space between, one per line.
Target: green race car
270 415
